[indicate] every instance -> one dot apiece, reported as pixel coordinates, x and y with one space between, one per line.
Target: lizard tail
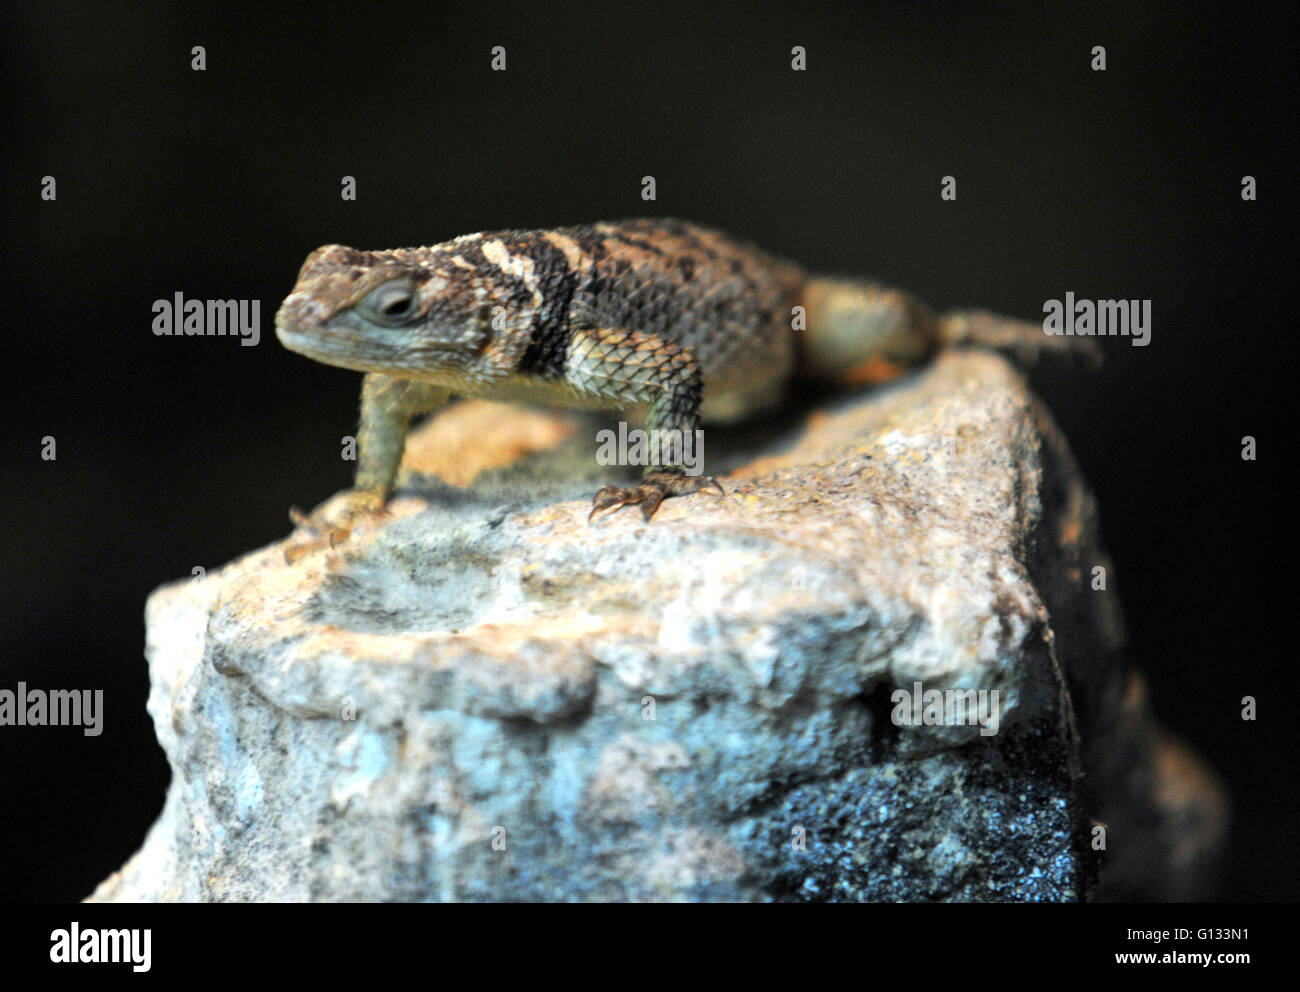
1024 340
863 332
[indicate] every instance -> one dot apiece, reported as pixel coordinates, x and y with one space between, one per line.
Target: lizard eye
393 303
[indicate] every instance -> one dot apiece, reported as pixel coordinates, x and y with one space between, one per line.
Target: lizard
667 315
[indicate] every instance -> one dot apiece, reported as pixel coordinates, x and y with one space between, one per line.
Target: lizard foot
654 489
329 533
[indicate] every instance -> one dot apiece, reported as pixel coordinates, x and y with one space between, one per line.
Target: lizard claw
654 489
332 533
606 498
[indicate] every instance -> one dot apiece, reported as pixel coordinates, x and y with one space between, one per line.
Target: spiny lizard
663 314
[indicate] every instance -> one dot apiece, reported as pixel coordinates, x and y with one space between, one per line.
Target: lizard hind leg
634 367
862 332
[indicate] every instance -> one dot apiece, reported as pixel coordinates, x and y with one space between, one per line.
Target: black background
176 452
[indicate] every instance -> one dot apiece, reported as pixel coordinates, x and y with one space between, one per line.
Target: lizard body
663 314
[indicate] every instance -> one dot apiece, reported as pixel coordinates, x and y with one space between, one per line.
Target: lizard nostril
300 311
307 311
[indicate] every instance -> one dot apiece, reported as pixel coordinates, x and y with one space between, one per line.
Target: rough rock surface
483 697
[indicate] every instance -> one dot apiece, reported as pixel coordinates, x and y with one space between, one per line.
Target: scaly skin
664 314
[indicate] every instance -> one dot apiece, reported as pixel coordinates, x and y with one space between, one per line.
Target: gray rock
483 697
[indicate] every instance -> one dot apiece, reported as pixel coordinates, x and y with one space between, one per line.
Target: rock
482 697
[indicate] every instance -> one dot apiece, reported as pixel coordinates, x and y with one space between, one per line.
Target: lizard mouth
331 350
295 339
318 343
342 347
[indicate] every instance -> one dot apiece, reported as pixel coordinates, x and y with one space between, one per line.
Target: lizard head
383 311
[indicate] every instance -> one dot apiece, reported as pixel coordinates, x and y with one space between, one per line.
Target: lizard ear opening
393 304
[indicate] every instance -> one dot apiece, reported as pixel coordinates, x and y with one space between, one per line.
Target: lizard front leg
387 406
629 368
